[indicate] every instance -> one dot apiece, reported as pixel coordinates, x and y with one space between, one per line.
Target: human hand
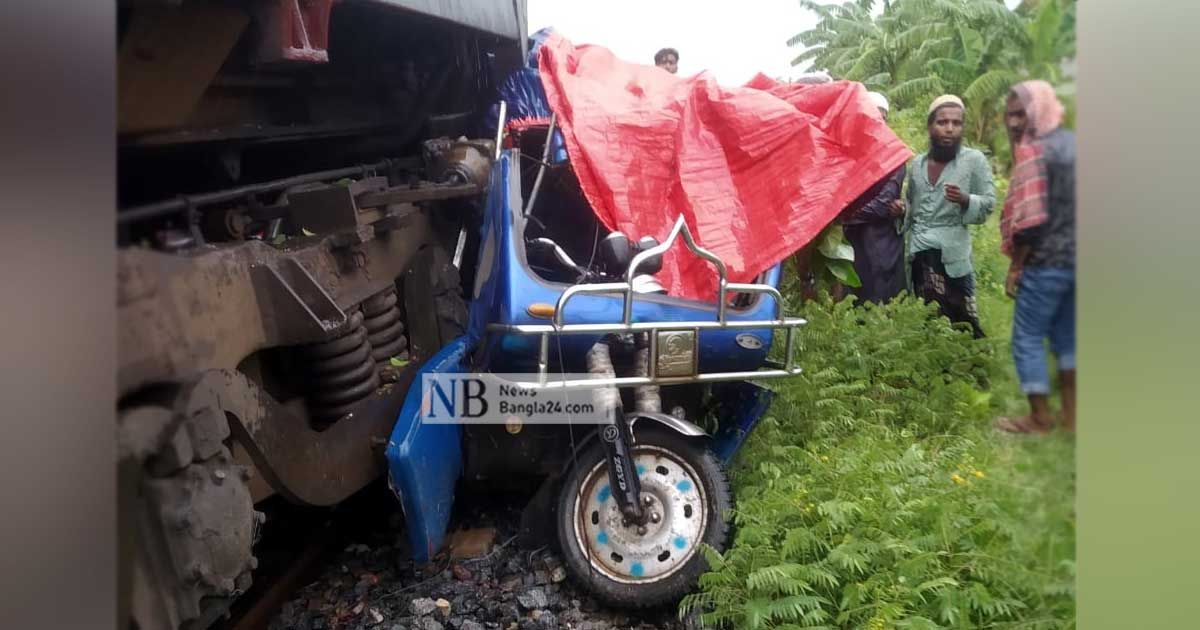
955 195
897 208
1011 282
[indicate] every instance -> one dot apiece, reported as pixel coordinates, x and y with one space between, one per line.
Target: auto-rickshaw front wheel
686 497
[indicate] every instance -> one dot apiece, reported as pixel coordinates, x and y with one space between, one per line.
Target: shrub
876 495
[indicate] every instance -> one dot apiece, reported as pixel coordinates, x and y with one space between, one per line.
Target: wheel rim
622 553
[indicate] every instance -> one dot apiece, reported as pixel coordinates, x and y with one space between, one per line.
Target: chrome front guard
659 331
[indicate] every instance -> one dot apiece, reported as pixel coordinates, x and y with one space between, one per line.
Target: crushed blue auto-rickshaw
630 502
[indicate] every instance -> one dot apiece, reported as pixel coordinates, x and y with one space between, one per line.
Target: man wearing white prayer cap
949 188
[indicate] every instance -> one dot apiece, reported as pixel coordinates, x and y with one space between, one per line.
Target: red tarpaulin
758 171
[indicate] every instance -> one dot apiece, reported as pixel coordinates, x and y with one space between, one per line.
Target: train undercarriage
294 178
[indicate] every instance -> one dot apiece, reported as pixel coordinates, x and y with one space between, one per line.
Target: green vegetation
877 495
917 49
833 259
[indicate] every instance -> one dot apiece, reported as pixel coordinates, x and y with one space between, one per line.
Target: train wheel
188 515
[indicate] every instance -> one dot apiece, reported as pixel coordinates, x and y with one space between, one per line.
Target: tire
642 571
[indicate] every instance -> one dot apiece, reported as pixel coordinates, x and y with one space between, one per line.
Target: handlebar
559 253
584 275
644 281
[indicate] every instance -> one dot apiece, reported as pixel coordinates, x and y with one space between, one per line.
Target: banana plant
833 260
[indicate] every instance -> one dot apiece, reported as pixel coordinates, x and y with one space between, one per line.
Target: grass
877 494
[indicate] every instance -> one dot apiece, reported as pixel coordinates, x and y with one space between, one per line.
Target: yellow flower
824 458
958 479
979 473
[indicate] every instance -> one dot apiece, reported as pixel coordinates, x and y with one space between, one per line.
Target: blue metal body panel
425 460
742 405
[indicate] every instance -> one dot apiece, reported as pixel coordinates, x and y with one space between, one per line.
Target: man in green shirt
949 188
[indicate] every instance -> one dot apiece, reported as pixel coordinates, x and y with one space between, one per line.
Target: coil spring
341 372
385 331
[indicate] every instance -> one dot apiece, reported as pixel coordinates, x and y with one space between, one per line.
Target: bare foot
1023 424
